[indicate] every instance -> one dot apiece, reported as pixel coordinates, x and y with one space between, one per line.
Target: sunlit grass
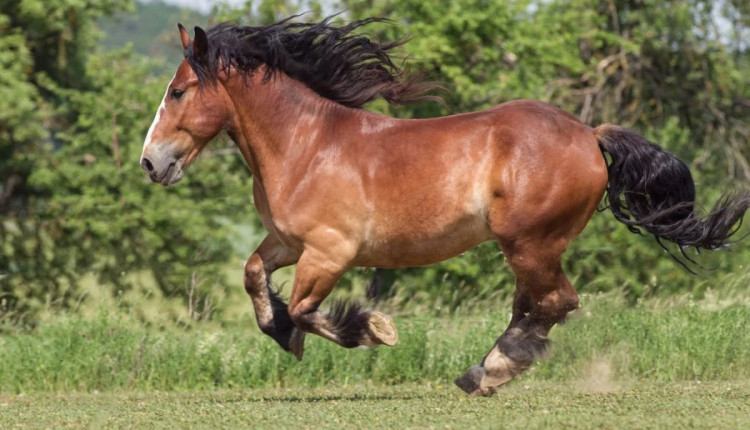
680 342
532 405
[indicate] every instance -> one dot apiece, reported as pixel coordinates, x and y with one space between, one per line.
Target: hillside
152 29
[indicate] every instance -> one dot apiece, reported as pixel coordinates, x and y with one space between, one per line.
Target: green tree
44 46
80 204
74 204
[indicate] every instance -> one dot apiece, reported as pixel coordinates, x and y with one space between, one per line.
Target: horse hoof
473 382
382 330
297 343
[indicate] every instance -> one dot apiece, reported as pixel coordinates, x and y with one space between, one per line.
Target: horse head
190 115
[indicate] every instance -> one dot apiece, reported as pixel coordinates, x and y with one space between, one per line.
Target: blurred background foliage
80 81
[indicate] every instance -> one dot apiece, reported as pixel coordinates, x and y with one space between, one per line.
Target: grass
670 363
652 342
536 404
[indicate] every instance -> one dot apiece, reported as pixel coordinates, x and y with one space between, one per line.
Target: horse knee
255 275
267 327
280 325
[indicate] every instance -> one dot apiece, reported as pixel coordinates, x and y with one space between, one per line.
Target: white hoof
381 329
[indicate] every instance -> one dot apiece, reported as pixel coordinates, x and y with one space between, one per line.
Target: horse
338 186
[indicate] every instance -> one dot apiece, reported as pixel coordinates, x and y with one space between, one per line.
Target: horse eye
176 94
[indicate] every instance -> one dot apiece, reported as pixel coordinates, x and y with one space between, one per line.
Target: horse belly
417 237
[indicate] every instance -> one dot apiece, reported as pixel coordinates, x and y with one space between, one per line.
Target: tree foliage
80 206
74 204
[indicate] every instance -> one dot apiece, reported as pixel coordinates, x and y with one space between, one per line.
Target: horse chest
274 221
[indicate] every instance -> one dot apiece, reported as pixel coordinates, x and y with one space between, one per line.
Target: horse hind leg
522 304
353 326
544 296
521 345
347 324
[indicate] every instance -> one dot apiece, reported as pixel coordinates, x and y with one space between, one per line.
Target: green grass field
521 405
676 363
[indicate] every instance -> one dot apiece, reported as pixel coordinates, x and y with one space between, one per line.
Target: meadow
532 405
677 362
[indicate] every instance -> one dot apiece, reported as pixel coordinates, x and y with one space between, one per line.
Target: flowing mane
335 62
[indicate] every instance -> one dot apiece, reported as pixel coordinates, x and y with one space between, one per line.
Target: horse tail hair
651 189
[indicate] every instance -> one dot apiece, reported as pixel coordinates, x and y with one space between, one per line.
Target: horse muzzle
163 170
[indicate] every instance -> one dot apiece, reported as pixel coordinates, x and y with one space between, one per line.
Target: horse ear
184 36
200 45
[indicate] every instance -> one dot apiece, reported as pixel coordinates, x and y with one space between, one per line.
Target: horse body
404 193
422 206
337 186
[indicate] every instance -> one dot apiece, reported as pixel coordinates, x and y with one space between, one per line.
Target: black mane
334 62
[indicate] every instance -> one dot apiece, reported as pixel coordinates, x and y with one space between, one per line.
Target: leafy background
81 228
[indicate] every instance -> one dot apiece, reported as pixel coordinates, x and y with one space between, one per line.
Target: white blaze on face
157 117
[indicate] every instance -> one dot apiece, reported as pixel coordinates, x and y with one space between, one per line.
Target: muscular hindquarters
550 183
554 177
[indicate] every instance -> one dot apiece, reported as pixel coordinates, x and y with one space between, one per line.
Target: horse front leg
270 311
346 325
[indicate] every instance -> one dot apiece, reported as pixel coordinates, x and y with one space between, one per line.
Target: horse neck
278 121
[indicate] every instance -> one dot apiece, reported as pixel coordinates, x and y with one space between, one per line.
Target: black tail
650 189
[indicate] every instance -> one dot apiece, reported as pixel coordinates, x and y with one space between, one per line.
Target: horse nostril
146 165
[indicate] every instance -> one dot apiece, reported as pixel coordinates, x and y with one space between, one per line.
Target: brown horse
338 186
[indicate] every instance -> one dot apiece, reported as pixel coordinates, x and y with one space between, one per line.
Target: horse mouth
173 174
